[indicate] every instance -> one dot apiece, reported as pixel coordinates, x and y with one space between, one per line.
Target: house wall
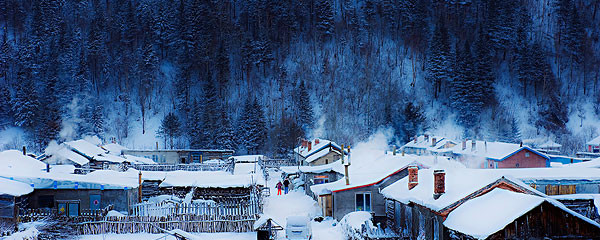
415 222
344 202
580 187
519 160
119 198
328 158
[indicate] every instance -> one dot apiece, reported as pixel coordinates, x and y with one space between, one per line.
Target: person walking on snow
286 185
279 186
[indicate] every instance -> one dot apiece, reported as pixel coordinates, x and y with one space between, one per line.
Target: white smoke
71 121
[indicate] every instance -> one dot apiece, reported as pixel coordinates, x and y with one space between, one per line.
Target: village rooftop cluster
432 187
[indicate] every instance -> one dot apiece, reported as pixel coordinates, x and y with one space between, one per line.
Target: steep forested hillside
256 75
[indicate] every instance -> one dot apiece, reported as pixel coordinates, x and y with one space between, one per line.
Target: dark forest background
257 75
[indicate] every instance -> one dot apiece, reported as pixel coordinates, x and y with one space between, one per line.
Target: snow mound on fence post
352 224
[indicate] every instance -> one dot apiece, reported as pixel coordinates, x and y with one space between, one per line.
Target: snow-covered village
299 119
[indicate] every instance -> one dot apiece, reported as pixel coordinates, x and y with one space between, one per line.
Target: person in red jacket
279 186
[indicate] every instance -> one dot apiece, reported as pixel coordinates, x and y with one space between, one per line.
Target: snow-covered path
296 203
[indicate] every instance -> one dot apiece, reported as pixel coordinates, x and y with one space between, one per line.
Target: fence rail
155 224
247 209
228 167
276 163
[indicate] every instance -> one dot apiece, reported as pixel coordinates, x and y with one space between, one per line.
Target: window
321 179
155 158
526 154
363 202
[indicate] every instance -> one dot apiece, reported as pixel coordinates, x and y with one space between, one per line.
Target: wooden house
317 152
592 149
485 154
12 193
478 204
366 176
181 156
428 145
314 175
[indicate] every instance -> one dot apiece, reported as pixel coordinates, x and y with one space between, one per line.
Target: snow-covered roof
427 143
371 167
138 160
595 141
14 188
319 154
114 148
206 179
304 152
491 150
248 158
85 148
594 163
57 180
66 154
541 142
334 166
468 218
249 168
14 162
461 182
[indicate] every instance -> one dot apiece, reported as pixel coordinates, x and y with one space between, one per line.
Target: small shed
11 196
266 228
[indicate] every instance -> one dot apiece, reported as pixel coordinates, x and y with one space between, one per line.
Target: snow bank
351 224
29 234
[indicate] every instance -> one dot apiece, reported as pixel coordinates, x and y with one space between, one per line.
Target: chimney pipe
140 187
521 144
415 139
464 144
346 165
433 142
309 146
473 145
413 177
316 141
47 167
342 153
439 183
394 152
156 145
24 150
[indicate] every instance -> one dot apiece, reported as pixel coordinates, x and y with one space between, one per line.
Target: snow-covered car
298 227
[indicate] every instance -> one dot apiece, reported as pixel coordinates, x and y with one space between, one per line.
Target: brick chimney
439 183
309 146
304 143
413 177
316 141
433 142
464 144
415 139
426 137
473 145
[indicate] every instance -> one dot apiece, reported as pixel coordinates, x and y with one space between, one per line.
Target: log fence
222 166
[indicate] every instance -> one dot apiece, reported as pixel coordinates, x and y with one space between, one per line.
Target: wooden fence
248 209
226 166
276 163
155 224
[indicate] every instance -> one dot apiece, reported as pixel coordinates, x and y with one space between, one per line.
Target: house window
320 179
526 154
363 202
155 158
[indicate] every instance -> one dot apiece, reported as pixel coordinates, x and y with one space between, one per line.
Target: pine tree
324 18
253 127
5 107
225 136
305 112
413 121
438 65
466 89
169 129
195 128
210 115
25 103
485 78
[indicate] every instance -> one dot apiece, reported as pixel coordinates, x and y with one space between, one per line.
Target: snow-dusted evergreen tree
508 130
225 135
438 65
195 128
305 111
484 73
466 89
210 115
413 121
25 103
285 136
252 127
169 129
5 107
324 18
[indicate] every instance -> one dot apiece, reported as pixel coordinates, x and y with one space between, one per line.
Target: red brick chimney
415 139
413 177
309 146
304 144
433 142
316 141
439 183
